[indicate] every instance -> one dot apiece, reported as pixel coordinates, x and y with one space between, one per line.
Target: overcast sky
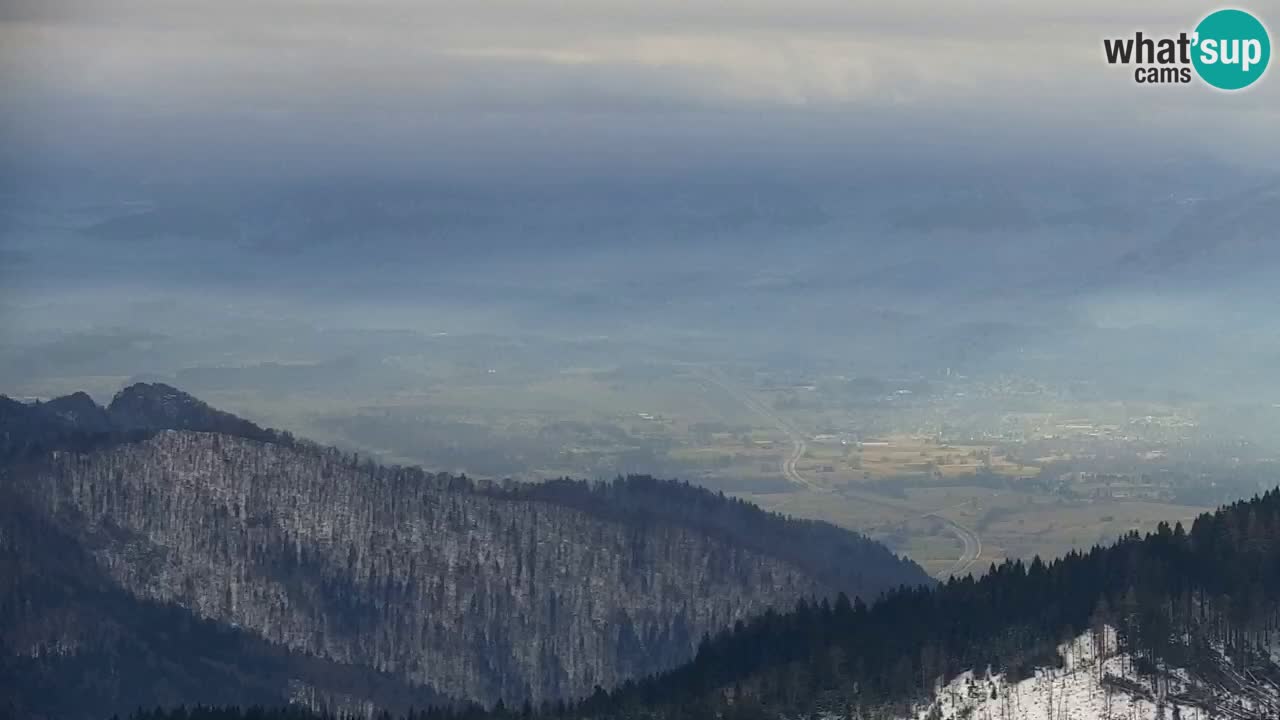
172 86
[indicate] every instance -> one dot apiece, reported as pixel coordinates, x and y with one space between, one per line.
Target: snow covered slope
1096 682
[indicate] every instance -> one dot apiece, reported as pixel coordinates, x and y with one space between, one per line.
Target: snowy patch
1096 682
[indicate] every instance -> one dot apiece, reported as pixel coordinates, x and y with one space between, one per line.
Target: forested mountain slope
478 591
1196 613
1176 625
74 644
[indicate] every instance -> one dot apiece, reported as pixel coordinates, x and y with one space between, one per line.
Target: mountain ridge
142 409
1174 625
77 422
539 591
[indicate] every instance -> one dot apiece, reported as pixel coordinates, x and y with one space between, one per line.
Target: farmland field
944 491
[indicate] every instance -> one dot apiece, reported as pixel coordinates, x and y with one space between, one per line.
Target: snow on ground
1094 683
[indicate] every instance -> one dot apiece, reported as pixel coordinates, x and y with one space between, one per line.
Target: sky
169 90
838 178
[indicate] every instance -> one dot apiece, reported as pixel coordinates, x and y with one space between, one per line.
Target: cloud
279 71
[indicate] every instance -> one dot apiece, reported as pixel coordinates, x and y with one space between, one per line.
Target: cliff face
478 596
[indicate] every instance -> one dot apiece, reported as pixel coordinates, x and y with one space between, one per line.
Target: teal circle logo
1232 49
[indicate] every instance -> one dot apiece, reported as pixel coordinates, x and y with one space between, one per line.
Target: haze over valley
1047 365
699 360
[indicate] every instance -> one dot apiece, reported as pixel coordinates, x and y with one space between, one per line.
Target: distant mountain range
159 551
1233 234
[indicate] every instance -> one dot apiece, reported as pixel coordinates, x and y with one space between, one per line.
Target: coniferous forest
639 360
158 551
1204 599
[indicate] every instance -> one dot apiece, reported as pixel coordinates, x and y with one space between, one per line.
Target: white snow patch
1095 682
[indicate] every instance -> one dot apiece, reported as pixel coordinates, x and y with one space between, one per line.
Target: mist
348 211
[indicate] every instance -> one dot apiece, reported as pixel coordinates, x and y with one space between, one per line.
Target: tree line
1175 597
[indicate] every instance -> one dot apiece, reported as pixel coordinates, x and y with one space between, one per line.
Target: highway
970 543
798 444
